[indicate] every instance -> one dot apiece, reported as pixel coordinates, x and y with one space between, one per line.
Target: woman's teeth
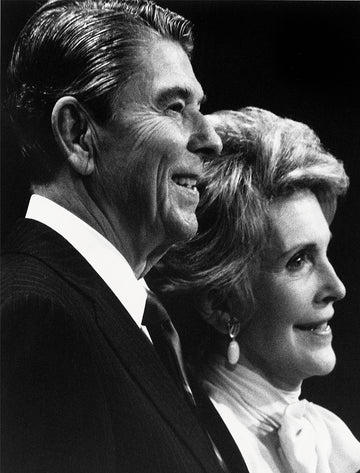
320 328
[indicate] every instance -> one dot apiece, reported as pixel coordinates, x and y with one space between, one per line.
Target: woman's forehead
296 219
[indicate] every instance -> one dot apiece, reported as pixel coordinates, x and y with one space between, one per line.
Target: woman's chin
325 364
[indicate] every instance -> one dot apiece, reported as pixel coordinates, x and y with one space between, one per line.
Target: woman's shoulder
332 420
344 445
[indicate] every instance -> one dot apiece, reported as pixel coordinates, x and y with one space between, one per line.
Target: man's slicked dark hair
88 49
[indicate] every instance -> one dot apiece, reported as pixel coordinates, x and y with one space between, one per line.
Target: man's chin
182 229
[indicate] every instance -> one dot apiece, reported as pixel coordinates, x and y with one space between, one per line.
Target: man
108 112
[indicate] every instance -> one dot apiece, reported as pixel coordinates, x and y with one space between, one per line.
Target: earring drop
233 351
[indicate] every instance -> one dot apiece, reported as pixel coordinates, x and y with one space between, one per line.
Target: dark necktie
167 344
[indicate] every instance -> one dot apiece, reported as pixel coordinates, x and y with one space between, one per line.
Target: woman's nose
333 288
204 140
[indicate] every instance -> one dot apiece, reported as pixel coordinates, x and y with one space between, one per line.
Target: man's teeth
188 182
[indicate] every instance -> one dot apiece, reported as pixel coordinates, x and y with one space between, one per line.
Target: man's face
151 153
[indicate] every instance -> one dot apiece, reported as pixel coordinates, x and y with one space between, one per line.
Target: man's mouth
319 328
189 182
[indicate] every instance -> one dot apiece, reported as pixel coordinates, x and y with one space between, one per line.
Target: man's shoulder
27 238
23 272
26 248
37 260
39 264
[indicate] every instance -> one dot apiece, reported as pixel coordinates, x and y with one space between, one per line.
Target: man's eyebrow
165 96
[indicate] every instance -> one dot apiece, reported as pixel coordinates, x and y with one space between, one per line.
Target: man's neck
136 251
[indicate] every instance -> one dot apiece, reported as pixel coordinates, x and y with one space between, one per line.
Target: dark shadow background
298 59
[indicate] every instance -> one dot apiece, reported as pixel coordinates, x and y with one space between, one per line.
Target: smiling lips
318 329
189 182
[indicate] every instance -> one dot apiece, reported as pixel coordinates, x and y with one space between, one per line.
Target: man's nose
332 288
204 139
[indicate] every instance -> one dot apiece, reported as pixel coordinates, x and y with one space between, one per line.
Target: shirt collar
106 260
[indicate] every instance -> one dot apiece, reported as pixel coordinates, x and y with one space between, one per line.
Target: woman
259 276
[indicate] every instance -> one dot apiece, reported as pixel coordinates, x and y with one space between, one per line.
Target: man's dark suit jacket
82 388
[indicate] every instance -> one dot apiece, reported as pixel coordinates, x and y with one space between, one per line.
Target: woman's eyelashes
301 260
306 258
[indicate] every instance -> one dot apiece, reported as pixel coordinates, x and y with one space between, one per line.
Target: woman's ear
233 303
240 307
73 134
216 316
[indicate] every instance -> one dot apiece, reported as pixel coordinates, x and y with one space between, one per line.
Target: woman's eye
298 261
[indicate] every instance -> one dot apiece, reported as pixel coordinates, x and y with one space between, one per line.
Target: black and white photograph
180 228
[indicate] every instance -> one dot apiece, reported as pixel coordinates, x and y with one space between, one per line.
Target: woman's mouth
322 328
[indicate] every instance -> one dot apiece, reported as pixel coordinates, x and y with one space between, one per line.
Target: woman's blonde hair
264 157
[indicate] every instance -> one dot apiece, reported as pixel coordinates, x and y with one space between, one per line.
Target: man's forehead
172 72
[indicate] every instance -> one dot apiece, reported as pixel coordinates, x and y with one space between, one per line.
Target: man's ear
73 134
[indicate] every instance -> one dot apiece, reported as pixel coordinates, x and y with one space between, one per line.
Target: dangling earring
233 351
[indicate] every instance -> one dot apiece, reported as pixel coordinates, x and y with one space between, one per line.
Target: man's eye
298 261
177 107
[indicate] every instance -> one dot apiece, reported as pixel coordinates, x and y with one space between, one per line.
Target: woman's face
289 337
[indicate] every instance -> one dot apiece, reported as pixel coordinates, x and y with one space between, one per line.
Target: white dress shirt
106 260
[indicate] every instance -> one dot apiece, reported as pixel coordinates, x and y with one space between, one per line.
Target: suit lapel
131 347
138 355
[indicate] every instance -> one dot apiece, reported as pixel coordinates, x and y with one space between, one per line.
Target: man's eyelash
176 107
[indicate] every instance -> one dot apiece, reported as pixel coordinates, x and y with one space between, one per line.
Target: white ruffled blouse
274 430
